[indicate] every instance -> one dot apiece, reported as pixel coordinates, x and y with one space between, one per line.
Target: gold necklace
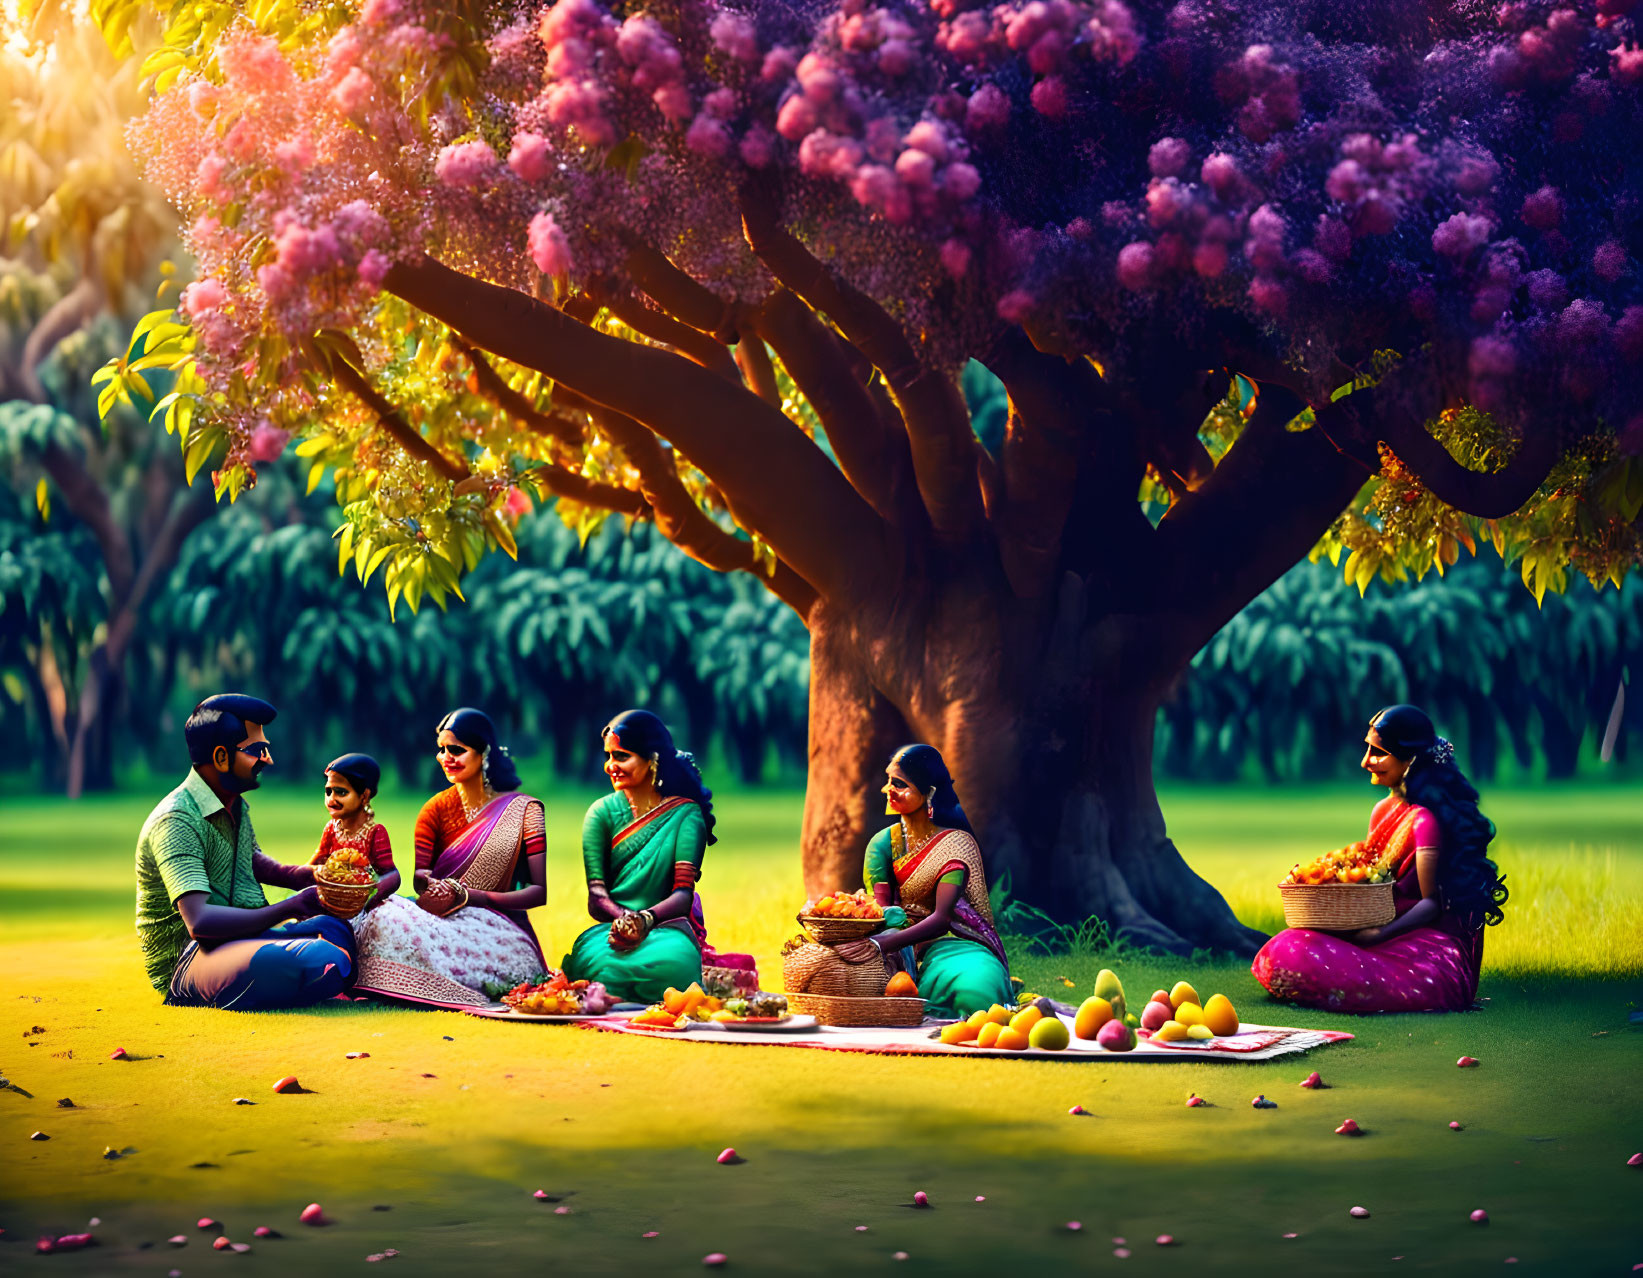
468 814
645 811
358 839
907 837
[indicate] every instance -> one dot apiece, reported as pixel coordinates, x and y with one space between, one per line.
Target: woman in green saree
642 847
929 864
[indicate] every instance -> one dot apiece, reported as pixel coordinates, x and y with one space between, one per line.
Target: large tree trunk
1046 722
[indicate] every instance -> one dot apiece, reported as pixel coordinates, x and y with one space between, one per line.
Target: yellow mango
1093 1013
999 1014
978 1019
959 1032
1189 1014
988 1037
1200 1031
1026 1018
1183 993
1012 1039
1170 1032
1220 1015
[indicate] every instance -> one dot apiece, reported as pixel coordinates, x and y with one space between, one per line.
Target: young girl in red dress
350 784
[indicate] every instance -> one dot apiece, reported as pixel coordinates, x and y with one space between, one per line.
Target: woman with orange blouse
480 853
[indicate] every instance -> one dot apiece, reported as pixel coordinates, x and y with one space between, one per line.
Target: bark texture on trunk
1045 720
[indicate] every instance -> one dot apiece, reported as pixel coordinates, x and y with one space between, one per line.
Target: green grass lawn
624 1131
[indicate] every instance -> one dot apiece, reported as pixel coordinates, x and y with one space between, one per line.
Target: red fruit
288 1084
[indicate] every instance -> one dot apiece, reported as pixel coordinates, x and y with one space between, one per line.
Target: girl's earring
656 774
485 765
930 805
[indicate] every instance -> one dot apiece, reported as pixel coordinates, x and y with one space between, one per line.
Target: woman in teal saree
642 847
927 871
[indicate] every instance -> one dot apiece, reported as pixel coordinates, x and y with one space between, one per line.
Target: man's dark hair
220 721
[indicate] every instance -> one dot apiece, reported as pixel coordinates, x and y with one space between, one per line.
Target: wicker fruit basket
816 969
1337 907
833 1010
343 899
831 931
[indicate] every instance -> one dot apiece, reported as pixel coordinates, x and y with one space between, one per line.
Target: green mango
1109 987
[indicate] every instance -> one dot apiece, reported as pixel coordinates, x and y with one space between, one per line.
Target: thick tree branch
686 524
757 370
689 342
676 292
931 404
388 417
870 457
1492 495
1054 407
492 386
797 499
1263 508
562 482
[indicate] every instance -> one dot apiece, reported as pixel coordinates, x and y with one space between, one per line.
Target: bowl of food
346 882
841 916
1340 891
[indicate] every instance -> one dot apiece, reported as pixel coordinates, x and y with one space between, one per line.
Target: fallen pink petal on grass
312 1214
1467 1062
921 1199
714 1259
1480 1217
729 1157
1075 1225
1361 1213
1164 1240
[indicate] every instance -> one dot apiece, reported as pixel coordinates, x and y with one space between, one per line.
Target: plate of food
773 1024
759 1012
550 997
502 1012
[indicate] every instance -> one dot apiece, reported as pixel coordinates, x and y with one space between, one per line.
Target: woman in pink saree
480 853
1445 890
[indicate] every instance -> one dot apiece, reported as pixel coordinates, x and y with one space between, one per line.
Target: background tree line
556 641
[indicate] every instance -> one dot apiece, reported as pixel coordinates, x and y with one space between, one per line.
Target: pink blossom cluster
1265 90
1101 166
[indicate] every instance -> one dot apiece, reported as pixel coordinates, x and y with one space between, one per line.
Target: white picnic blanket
1250 1043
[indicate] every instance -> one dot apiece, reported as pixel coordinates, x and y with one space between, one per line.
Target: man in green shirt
208 935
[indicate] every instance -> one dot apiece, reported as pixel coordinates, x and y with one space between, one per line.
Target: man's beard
243 784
